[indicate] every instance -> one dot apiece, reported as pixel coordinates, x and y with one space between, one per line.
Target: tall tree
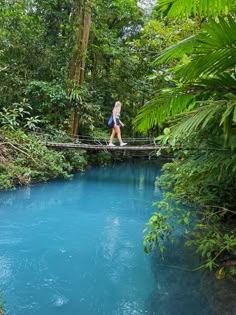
77 68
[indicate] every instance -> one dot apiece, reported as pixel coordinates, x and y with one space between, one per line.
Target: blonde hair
117 104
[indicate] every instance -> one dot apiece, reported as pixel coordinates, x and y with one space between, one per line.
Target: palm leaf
213 63
201 117
168 104
196 7
185 46
196 119
227 119
222 83
218 161
215 50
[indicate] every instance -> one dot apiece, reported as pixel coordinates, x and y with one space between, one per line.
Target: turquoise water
75 247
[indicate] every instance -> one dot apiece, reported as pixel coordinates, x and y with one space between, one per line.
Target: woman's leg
112 135
118 131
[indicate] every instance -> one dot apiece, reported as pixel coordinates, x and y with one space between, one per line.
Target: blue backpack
110 121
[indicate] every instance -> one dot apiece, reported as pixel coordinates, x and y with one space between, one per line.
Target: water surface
75 247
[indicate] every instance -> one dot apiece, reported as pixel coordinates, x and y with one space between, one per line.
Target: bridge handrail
47 137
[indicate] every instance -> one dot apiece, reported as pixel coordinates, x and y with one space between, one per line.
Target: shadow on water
133 173
179 290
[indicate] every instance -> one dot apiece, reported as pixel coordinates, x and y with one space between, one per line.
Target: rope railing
83 139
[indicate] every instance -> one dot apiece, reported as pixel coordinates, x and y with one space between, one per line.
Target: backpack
110 121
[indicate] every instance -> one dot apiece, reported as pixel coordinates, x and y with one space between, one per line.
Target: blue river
75 248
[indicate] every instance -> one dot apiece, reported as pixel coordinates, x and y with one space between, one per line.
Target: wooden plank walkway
102 147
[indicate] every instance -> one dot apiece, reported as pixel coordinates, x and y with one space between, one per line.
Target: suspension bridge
81 142
93 143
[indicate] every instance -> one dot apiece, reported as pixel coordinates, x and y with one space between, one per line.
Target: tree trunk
77 68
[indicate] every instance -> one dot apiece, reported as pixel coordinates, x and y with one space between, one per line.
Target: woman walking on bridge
116 125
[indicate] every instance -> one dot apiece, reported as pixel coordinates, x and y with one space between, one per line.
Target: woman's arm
122 124
114 116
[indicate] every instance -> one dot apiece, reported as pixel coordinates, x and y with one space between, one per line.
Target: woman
117 124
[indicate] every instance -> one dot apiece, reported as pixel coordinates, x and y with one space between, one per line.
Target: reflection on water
75 247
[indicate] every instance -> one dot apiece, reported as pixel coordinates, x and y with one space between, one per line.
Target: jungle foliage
35 66
24 160
37 46
173 68
199 109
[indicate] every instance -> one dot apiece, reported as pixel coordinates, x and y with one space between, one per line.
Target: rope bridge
97 143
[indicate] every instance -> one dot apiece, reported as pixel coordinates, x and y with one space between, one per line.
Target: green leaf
196 7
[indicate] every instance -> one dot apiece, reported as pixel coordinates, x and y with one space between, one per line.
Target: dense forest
64 63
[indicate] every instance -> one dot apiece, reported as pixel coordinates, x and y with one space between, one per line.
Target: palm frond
196 119
213 63
213 50
168 104
227 119
214 161
222 83
196 7
220 33
175 51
